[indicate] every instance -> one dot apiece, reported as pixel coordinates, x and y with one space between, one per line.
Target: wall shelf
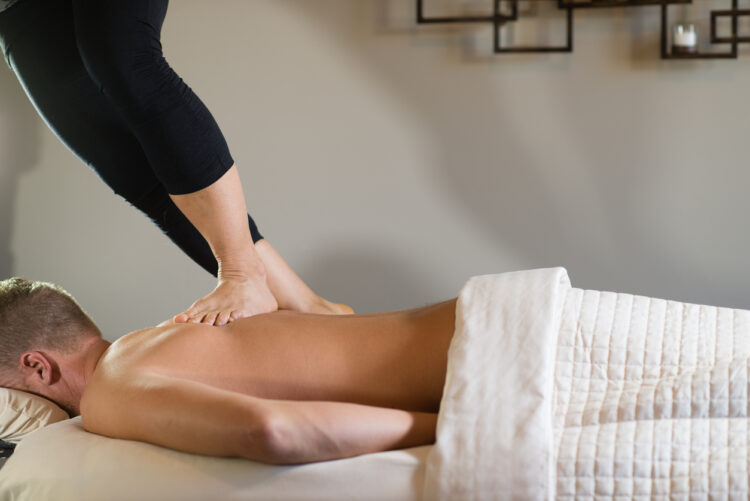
505 12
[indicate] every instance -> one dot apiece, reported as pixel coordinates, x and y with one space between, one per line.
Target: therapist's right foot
233 298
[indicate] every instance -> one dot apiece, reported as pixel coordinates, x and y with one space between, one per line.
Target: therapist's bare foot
321 306
232 299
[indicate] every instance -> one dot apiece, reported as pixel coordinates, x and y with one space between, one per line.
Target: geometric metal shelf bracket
735 14
500 18
422 19
500 21
732 53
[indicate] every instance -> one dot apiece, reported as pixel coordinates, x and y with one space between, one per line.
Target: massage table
552 392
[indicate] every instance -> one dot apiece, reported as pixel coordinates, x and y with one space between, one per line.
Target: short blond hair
37 316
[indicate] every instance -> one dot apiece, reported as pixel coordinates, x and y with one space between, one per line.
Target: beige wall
389 162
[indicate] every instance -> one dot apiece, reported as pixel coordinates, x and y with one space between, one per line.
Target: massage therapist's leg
39 37
40 45
290 291
119 43
219 213
40 40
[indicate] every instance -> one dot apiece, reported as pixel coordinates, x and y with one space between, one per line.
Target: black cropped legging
95 72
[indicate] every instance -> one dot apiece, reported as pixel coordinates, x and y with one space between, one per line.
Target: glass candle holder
684 39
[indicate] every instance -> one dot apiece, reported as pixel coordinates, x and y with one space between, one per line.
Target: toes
209 318
236 315
345 309
181 318
191 316
222 318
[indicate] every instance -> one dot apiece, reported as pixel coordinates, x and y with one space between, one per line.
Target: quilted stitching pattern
651 399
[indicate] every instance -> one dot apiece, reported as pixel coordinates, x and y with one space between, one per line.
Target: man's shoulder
117 365
137 338
120 352
131 350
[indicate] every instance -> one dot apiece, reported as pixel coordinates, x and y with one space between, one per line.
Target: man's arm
304 432
198 418
175 413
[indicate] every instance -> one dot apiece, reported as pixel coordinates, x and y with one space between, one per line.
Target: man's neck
80 368
92 352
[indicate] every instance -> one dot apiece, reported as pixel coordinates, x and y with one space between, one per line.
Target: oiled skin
395 360
282 387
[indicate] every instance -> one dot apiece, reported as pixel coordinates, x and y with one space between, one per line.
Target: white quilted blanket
557 392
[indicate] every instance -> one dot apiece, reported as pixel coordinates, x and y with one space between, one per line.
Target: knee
123 69
100 55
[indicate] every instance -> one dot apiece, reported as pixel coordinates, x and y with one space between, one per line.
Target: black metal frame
499 20
422 19
733 40
734 13
591 4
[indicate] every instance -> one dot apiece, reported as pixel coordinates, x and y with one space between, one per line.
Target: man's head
41 328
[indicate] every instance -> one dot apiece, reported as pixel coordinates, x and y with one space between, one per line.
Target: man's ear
37 368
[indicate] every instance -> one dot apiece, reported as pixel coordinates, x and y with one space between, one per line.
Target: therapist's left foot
291 292
324 307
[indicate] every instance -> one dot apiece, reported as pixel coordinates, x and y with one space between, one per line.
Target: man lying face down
280 388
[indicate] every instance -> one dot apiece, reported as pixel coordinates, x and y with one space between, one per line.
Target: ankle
241 271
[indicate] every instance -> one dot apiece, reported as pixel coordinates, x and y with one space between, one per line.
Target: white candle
685 37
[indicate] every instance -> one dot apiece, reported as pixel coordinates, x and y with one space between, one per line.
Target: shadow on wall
488 162
19 147
552 180
370 276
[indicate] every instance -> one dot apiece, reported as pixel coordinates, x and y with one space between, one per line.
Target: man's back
161 384
291 356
